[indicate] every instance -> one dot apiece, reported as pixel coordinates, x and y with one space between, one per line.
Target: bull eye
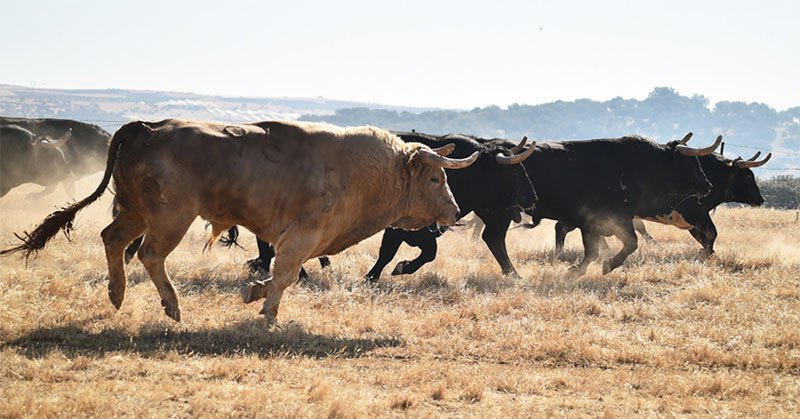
434 179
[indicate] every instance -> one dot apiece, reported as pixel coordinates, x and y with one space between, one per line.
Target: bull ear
414 163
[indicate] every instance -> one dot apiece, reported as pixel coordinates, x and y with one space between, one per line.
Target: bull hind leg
116 236
626 233
640 228
164 233
704 232
591 244
294 248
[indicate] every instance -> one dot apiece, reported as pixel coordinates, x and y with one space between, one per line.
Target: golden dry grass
668 334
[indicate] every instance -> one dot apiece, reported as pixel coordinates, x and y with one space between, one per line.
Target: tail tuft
37 239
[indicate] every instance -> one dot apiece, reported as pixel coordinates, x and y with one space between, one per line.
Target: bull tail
63 219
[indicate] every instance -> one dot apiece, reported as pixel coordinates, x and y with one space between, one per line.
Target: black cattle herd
600 186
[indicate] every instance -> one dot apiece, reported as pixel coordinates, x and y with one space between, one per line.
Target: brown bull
311 189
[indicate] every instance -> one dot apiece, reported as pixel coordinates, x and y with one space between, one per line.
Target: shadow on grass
242 338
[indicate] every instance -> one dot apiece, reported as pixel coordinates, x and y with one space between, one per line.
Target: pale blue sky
417 53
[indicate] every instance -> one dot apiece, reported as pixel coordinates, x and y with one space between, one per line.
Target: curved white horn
755 156
751 164
444 150
689 151
48 142
519 147
518 158
449 163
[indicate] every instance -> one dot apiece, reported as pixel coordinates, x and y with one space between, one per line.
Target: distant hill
664 115
111 108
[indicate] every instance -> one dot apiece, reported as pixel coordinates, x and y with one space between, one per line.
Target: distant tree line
781 191
663 115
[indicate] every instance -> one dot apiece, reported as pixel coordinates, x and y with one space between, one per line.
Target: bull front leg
426 241
494 235
562 229
390 242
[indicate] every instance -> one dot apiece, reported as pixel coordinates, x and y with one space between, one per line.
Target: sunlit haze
451 54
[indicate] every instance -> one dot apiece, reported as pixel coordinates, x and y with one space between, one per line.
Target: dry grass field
669 334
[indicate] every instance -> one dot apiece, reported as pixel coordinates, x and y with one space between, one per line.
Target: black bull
599 185
496 188
28 158
732 181
85 152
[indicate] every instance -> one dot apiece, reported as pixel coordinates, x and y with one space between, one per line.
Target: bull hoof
371 278
574 272
173 311
116 298
607 267
254 291
707 254
271 319
400 268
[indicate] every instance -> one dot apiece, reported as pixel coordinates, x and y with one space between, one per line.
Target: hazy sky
418 53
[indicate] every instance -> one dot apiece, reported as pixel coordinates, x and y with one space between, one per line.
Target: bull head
752 163
691 152
515 158
48 142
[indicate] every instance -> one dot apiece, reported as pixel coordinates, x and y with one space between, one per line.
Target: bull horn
755 156
519 147
444 150
449 163
689 151
515 159
48 142
749 164
686 138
